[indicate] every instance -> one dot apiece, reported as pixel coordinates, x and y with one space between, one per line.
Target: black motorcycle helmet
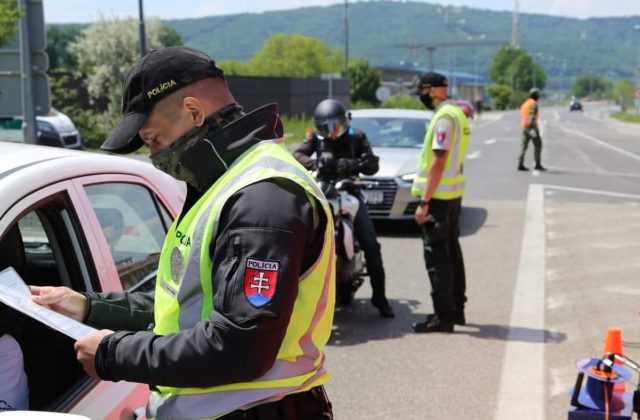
330 119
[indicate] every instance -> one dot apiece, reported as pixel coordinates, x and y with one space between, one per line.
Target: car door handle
140 413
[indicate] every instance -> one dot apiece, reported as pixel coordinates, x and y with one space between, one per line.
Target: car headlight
45 127
408 177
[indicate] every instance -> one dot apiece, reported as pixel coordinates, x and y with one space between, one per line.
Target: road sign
12 63
383 93
11 95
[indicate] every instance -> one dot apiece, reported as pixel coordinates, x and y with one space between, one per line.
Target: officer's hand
420 216
86 349
61 299
533 132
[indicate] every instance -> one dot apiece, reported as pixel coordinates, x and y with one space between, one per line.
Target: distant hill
563 46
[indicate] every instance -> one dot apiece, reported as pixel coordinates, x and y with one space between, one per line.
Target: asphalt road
552 261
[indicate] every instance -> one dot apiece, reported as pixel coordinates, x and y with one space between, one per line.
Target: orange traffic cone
613 344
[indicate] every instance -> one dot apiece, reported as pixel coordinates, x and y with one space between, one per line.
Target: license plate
373 197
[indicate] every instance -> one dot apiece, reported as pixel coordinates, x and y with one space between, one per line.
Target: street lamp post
143 46
346 38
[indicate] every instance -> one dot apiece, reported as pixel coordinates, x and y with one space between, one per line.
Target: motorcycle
350 262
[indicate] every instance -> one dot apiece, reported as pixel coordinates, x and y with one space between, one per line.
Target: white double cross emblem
260 284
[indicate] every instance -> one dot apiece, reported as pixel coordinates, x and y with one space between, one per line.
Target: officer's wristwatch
423 203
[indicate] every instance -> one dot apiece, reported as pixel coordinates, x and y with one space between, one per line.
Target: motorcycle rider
342 151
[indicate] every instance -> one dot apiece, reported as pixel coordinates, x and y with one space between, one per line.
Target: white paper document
15 293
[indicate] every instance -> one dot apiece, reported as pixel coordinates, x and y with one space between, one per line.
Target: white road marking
474 155
603 143
490 141
521 392
535 172
556 115
595 192
522 383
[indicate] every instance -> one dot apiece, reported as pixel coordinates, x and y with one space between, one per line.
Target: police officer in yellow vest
440 185
244 296
530 130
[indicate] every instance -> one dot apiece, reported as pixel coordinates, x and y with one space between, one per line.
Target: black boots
540 167
433 324
383 307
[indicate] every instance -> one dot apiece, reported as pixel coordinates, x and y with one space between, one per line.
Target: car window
134 225
392 132
46 248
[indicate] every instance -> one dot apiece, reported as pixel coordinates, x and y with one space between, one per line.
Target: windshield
392 132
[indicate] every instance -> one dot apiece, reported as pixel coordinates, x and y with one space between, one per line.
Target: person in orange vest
530 114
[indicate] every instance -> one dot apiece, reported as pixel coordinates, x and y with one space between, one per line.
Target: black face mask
427 100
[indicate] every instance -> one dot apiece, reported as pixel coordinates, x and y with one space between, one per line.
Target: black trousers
309 405
366 234
443 258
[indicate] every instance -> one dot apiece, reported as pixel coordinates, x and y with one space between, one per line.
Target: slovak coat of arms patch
260 280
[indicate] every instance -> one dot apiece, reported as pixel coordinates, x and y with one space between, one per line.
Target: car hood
396 161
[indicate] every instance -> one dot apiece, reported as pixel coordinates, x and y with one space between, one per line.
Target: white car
396 136
54 129
92 222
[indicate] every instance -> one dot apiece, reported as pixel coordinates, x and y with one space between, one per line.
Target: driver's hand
61 299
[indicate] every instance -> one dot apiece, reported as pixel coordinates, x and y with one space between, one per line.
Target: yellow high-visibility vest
452 182
184 295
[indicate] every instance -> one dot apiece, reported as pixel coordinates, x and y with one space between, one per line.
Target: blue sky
65 11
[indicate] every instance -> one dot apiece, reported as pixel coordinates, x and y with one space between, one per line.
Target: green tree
9 15
403 101
500 96
364 81
590 85
58 40
623 94
234 67
295 55
105 51
514 69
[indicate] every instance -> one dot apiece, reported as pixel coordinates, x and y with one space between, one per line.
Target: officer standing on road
440 185
244 297
342 151
530 132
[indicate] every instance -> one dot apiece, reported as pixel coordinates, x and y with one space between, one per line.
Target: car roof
392 113
26 168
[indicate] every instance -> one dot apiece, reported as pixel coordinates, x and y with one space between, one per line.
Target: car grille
70 140
411 208
388 187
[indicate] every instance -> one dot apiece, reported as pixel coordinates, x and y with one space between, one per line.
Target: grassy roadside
294 128
626 116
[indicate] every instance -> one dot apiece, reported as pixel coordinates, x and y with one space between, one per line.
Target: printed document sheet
15 293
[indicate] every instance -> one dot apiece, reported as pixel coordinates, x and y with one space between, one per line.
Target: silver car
396 136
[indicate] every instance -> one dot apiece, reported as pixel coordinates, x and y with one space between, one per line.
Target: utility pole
514 25
346 38
143 44
28 111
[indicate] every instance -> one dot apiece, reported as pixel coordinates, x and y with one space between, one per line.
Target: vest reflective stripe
452 183
525 108
299 363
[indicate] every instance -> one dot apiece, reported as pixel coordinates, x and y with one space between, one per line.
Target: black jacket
350 154
269 220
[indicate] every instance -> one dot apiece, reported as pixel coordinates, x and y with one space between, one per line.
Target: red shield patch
441 137
260 280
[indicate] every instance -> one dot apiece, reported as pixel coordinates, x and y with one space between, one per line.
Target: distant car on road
575 105
54 129
91 222
396 136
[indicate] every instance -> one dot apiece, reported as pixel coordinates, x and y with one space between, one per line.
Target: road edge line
522 386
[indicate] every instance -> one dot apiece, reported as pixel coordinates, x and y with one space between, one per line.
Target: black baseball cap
432 79
156 75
